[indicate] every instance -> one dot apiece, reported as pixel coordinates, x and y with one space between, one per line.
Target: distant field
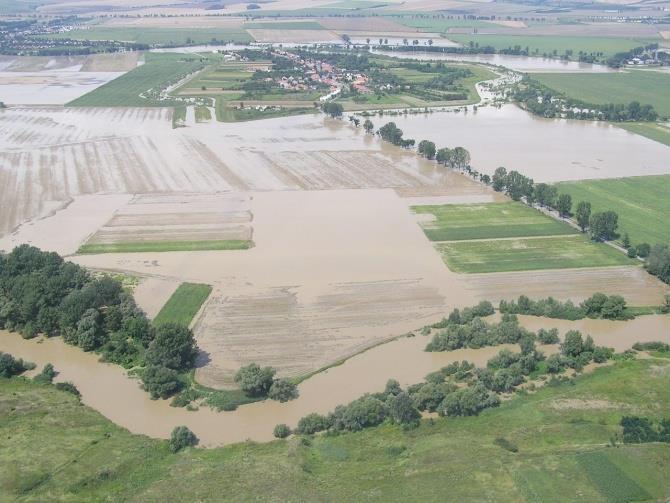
159 70
547 45
184 304
218 79
284 25
486 221
441 25
642 203
159 36
529 254
650 130
202 114
643 86
164 246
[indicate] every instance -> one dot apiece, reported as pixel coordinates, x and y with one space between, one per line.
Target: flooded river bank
109 390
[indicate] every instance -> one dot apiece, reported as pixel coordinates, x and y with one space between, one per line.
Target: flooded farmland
107 389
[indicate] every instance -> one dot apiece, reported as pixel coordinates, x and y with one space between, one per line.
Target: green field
184 304
542 45
164 246
646 87
159 36
441 25
487 221
501 255
651 130
642 203
202 114
158 71
53 449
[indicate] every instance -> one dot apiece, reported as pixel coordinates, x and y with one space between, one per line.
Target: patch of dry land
290 36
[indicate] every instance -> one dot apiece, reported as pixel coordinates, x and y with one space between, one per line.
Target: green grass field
487 221
284 25
642 203
529 254
158 71
441 25
159 36
202 114
184 304
646 87
547 45
651 130
164 246
53 449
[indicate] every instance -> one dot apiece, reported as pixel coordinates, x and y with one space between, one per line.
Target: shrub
643 250
283 390
652 346
402 411
548 336
312 423
637 430
631 252
361 413
182 437
10 366
47 375
506 444
161 382
254 380
173 346
429 396
69 388
281 431
468 401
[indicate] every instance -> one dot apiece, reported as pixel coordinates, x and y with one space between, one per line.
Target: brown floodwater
109 390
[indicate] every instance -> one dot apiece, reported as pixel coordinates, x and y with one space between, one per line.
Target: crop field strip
651 130
184 304
153 35
503 237
488 221
642 203
524 254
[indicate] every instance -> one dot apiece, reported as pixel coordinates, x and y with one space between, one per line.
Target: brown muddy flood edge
108 389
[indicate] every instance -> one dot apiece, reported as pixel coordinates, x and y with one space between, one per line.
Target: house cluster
317 72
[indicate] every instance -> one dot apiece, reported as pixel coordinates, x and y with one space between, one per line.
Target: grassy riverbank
164 246
562 434
651 130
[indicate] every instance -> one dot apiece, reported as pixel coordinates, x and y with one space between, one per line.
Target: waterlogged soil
109 390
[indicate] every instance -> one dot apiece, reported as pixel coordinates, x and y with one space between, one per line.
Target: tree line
599 305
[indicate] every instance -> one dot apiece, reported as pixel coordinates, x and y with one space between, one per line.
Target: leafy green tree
333 109
281 431
173 346
392 387
362 413
368 126
573 344
90 335
426 149
468 401
545 194
625 241
283 390
461 158
499 179
444 156
254 380
161 382
181 438
429 396
583 215
658 262
10 366
564 205
47 375
643 250
631 252
603 225
402 411
391 133
518 185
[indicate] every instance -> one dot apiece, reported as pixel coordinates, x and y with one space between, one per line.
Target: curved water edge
108 389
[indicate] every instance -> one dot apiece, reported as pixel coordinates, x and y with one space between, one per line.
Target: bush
658 262
283 390
631 252
506 444
652 346
254 380
68 387
161 382
312 423
643 250
402 411
548 336
10 366
429 396
281 431
637 430
361 413
468 401
182 437
47 375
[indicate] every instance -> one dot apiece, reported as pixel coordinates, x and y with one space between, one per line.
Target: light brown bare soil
366 24
292 36
111 62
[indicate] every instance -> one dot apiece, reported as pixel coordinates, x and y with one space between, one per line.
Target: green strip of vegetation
645 87
178 116
641 202
651 130
141 86
487 221
202 114
81 456
529 254
164 246
184 304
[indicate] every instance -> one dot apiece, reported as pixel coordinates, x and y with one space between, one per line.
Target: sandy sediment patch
509 23
152 293
365 24
637 286
665 34
292 36
42 63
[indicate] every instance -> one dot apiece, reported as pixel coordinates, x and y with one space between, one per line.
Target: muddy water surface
107 389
